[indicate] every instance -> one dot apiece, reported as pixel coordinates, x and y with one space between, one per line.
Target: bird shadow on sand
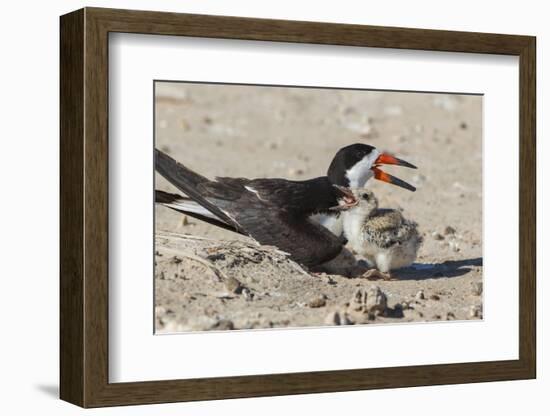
445 270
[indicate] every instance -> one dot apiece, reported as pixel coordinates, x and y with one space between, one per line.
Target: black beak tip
402 184
407 164
406 186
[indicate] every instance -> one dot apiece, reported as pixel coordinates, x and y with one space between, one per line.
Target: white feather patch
192 207
361 172
332 222
250 189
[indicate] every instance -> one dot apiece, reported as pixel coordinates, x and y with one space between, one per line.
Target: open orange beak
385 159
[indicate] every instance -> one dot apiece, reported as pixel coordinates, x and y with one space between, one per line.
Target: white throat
353 228
361 172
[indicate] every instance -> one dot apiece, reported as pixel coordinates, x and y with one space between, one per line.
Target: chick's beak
348 199
385 159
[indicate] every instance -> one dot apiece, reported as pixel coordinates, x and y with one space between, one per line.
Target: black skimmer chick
386 239
272 211
352 167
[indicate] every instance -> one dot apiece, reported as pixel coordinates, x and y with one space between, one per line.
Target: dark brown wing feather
301 198
307 243
189 183
272 211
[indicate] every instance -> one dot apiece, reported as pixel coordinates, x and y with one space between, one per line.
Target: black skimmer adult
383 236
352 167
272 211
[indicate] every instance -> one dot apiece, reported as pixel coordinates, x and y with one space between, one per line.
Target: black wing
300 198
265 209
307 242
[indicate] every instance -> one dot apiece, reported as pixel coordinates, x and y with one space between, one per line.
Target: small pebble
476 288
332 318
369 301
463 125
397 311
247 294
345 319
437 236
337 318
318 302
358 300
454 246
331 280
475 311
434 297
223 325
295 172
450 316
419 295
233 285
449 230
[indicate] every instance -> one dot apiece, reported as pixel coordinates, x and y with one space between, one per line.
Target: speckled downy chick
386 239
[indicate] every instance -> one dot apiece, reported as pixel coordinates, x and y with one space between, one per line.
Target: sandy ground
211 279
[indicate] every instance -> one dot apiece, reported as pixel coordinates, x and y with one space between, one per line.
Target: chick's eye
365 197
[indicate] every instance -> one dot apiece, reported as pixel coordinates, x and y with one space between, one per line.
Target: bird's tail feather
189 207
187 182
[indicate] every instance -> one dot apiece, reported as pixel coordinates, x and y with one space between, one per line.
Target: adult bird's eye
365 197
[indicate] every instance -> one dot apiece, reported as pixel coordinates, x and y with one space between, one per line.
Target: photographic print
293 207
328 183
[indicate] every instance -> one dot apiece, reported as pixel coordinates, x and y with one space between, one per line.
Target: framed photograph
255 207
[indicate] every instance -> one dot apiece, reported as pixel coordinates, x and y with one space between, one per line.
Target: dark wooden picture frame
84 207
